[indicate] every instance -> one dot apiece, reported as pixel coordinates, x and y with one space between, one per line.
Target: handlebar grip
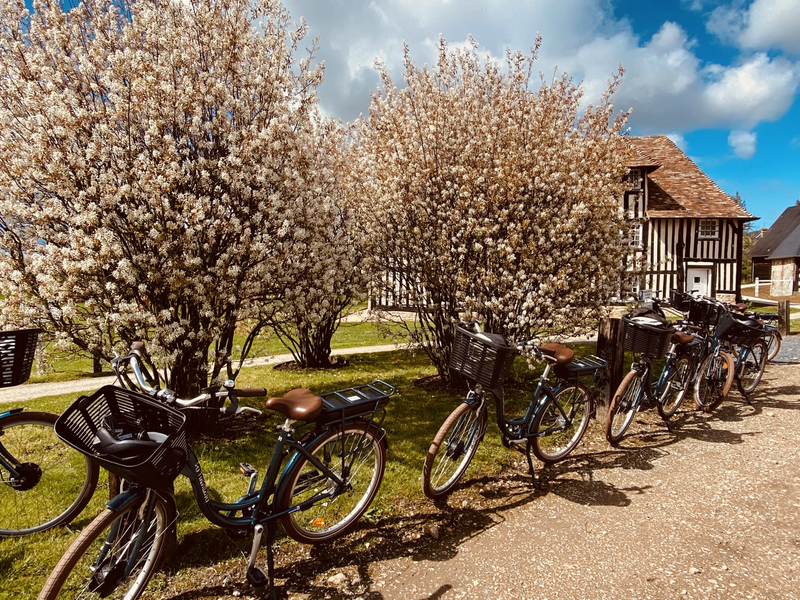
251 392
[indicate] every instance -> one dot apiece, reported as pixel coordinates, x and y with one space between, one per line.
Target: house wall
672 246
762 269
784 277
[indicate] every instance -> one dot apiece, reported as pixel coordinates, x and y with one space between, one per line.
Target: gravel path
790 350
710 512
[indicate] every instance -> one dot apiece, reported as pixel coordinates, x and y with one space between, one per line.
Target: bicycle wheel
560 423
95 564
452 450
360 455
752 367
674 388
714 380
623 407
773 345
54 482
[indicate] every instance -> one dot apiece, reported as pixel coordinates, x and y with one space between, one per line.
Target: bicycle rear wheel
714 380
623 407
752 367
674 388
560 423
95 564
358 456
54 483
452 450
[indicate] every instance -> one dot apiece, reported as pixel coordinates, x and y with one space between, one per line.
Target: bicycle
554 422
771 335
717 372
43 482
651 339
318 483
745 339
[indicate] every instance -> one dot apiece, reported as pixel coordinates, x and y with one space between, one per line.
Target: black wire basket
703 313
78 426
17 349
736 332
646 339
484 358
680 300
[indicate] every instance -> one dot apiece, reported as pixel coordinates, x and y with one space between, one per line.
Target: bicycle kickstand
256 576
530 465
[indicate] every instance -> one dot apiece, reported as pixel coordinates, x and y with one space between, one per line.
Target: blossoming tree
322 270
153 161
493 197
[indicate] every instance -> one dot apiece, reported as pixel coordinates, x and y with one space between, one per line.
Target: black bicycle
43 482
556 418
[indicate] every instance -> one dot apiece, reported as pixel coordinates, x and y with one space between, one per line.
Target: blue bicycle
326 467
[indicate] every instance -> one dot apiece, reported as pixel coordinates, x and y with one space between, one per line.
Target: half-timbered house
686 232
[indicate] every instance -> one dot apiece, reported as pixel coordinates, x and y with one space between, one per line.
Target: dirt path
707 512
711 512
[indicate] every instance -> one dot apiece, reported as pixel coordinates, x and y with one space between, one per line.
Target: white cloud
765 24
743 143
758 90
669 86
679 141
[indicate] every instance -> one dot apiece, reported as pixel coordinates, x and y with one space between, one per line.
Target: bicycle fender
124 499
13 411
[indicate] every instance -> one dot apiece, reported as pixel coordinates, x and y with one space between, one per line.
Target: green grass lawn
69 366
413 417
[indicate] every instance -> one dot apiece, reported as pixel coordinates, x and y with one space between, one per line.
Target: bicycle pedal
247 470
256 577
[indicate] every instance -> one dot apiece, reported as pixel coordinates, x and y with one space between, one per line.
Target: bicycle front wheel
560 423
358 456
50 484
452 450
714 380
752 367
674 388
623 407
773 345
114 557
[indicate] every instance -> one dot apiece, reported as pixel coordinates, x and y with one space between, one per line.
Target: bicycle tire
623 405
774 345
675 388
709 394
453 447
76 573
752 368
61 480
324 521
565 433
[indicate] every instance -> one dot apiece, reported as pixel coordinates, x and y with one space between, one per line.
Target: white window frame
635 235
703 233
635 179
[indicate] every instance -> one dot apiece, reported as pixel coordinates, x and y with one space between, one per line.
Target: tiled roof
678 188
783 238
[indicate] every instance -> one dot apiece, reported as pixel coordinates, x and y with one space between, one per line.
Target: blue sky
719 77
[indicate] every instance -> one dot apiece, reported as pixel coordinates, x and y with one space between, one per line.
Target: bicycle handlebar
169 397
